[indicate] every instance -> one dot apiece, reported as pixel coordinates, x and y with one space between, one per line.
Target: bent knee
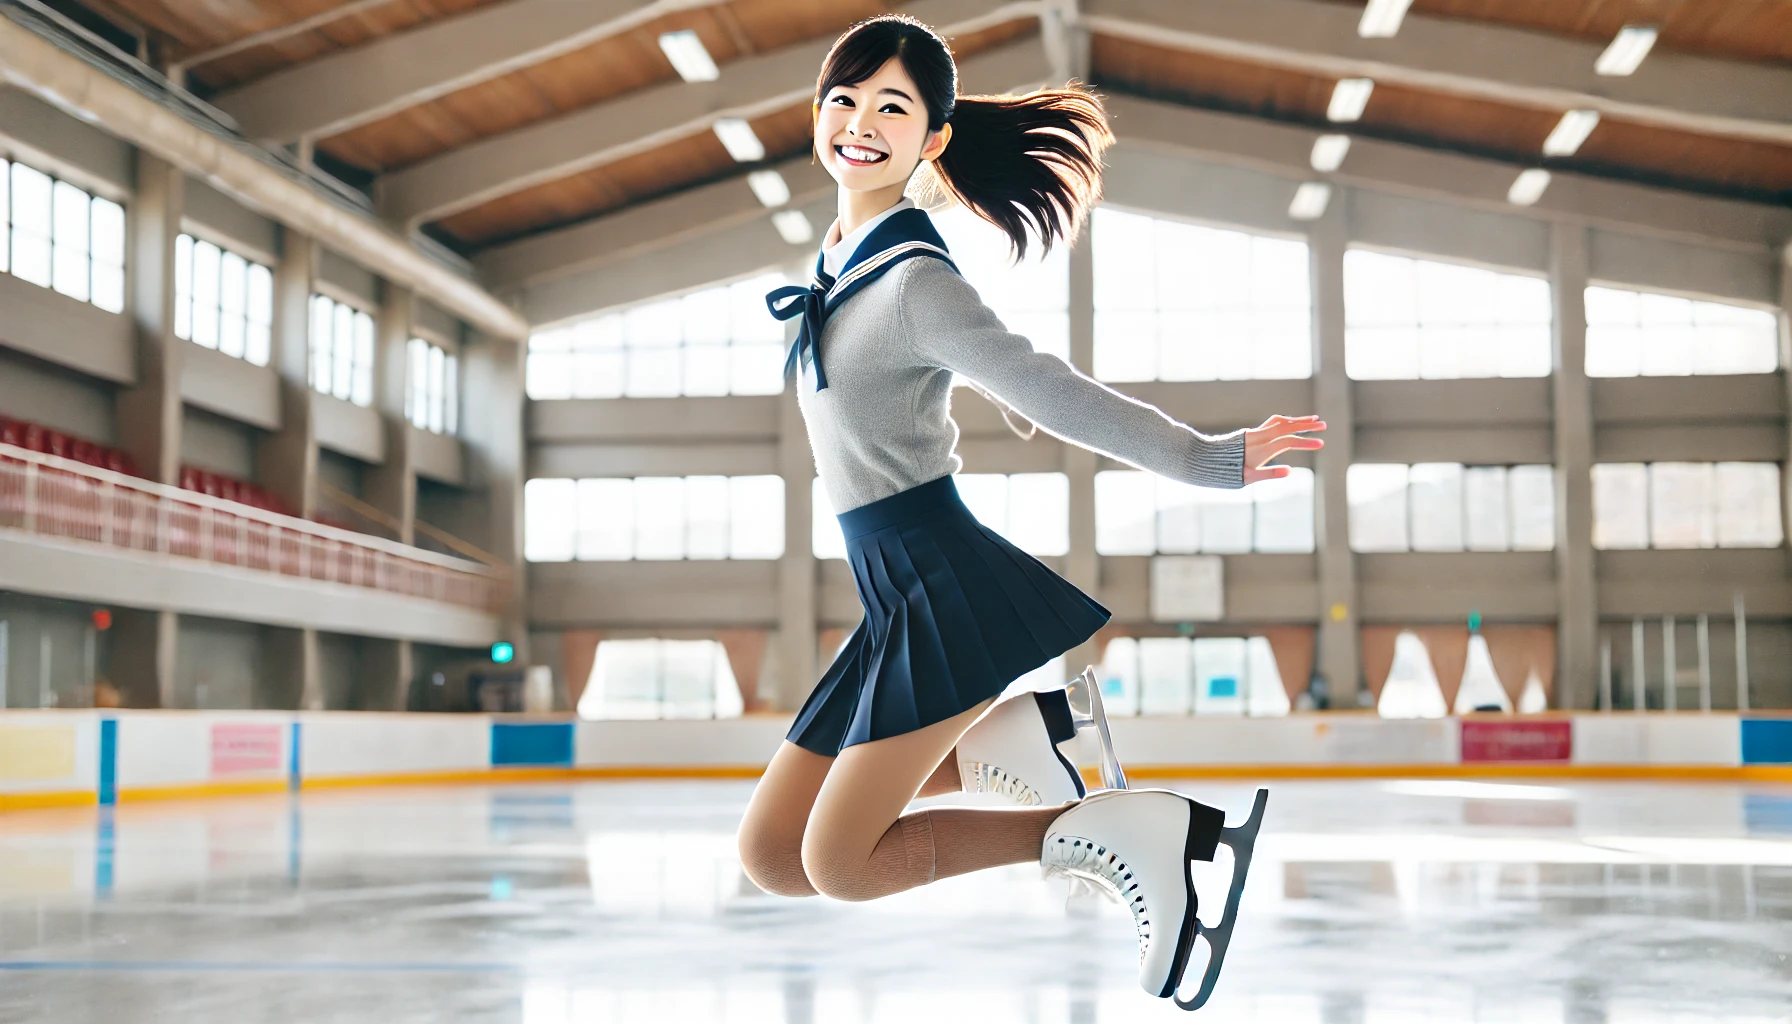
773 861
839 875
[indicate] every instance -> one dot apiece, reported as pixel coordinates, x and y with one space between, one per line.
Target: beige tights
835 825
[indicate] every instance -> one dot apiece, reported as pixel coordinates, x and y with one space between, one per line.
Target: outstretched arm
947 325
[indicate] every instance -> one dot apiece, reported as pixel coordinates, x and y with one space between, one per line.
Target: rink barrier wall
72 758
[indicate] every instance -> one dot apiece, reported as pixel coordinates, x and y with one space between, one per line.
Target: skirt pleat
953 614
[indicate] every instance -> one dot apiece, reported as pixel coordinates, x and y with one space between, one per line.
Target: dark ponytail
1029 164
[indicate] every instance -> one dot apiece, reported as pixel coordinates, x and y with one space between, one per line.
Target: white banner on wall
1188 588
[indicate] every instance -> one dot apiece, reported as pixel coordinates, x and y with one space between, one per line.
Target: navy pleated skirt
953 614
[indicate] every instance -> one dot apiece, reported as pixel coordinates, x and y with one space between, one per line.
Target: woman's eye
844 101
891 108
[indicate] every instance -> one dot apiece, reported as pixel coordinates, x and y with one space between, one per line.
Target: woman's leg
771 832
945 778
858 844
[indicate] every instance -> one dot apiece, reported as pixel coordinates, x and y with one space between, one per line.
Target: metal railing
54 497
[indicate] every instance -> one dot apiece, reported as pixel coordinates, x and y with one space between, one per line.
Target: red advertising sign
239 748
1516 741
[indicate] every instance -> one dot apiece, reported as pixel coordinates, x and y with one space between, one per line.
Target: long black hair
1029 164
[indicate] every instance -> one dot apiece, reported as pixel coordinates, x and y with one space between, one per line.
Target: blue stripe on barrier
293 760
539 743
108 784
1767 741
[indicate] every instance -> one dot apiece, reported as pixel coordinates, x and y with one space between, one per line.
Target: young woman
954 613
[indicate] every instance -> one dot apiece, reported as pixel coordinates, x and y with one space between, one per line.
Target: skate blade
1086 711
1243 841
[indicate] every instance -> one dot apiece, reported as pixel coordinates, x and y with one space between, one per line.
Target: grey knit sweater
884 422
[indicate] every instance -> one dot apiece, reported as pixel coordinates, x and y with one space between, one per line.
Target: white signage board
1188 588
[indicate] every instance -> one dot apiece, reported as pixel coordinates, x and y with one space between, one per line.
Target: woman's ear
936 143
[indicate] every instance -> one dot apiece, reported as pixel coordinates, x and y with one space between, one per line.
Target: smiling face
871 135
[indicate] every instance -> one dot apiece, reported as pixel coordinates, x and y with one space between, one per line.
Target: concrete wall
43 393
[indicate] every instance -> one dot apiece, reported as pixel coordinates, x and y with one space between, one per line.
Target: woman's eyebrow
897 92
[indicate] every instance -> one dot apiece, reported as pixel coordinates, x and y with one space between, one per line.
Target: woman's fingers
1253 475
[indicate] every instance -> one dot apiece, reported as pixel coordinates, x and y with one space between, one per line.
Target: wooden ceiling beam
1404 169
334 93
1458 56
463 178
617 237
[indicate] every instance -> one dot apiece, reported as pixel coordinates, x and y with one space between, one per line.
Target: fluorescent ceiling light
1349 99
1626 51
1570 132
738 138
770 187
1309 200
1328 152
1528 188
692 62
1381 19
795 227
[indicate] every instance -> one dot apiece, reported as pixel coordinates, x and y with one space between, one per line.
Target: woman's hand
1274 436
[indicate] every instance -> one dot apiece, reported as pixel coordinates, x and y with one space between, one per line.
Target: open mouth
859 156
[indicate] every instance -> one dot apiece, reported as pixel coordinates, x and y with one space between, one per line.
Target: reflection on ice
1413 900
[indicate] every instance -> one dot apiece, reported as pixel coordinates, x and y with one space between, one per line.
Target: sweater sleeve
947 325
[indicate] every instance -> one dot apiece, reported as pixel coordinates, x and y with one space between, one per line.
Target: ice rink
1372 902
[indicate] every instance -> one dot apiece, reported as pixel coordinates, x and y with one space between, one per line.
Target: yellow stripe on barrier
623 773
191 790
42 801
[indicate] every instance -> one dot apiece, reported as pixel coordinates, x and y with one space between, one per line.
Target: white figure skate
1137 845
1015 749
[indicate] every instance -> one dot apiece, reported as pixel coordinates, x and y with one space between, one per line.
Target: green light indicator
503 652
1474 622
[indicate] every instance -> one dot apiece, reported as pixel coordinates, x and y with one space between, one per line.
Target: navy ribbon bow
902 236
811 304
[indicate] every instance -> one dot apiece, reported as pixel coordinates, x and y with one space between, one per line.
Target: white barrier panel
1686 739
1296 740
49 751
361 743
187 748
730 742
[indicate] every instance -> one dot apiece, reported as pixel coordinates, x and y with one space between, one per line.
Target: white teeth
861 154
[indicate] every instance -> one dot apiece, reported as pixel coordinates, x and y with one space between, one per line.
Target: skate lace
1082 858
988 778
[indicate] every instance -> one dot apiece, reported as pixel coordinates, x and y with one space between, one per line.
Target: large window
1180 676
656 678
717 341
1408 319
1632 334
222 300
1144 514
1445 506
56 235
1686 505
341 350
1175 301
1030 510
653 517
1032 297
432 387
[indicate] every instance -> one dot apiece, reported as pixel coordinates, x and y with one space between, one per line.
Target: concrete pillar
294 675
1577 598
141 660
492 427
145 643
149 415
1786 379
798 608
1082 566
288 456
391 486
389 666
1337 656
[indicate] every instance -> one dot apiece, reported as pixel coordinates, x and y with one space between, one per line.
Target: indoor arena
867 512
